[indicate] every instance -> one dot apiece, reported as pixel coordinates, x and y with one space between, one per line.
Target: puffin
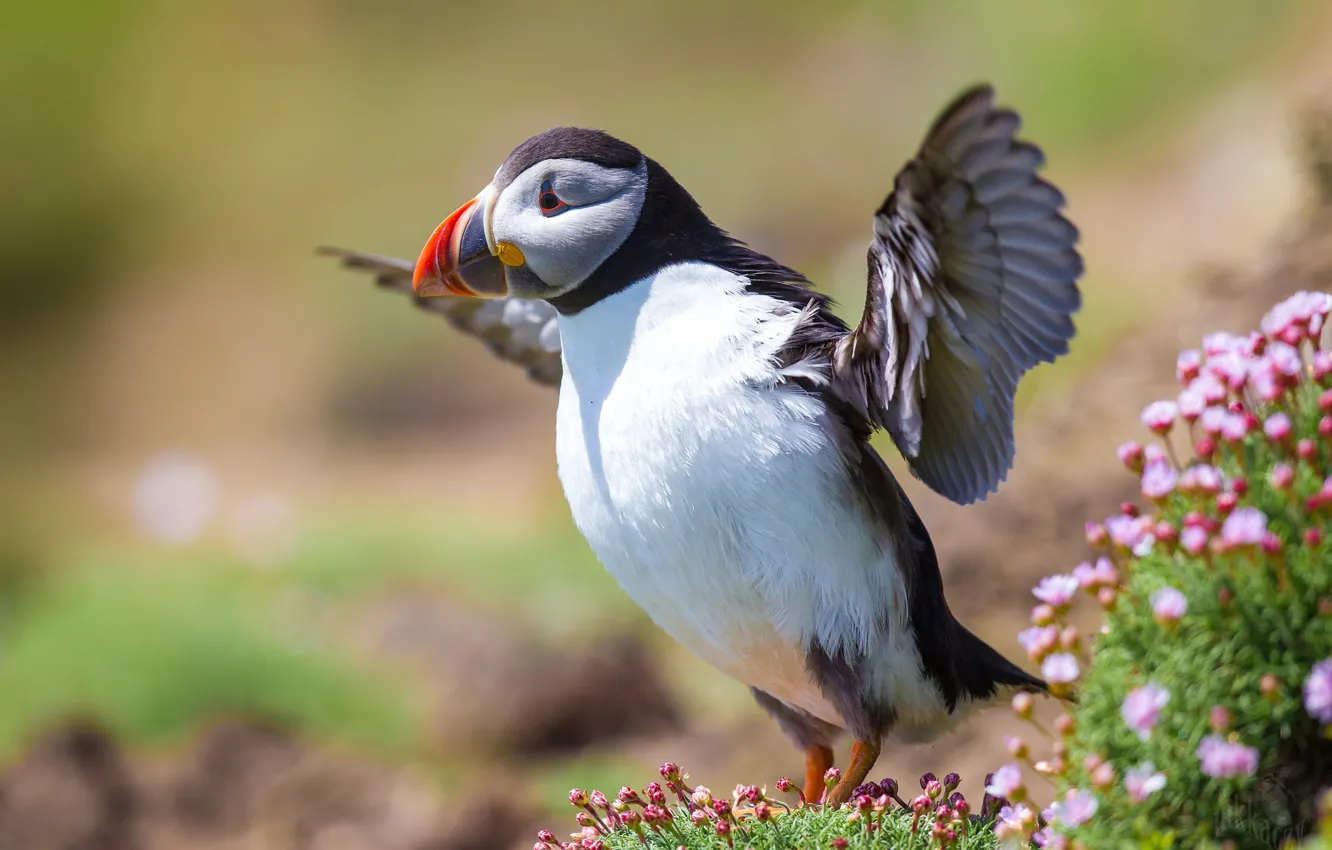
713 430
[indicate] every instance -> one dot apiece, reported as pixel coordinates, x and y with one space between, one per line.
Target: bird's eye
548 201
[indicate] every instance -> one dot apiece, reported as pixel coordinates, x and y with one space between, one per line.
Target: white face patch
564 249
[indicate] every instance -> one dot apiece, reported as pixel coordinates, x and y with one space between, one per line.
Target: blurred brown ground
226 143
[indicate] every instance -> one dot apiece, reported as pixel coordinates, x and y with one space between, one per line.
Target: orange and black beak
458 260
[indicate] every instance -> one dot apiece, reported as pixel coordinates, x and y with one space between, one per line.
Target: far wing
518 330
972 281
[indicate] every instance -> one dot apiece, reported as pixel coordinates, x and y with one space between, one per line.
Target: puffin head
558 208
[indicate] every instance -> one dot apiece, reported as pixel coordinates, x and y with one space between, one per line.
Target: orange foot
817 761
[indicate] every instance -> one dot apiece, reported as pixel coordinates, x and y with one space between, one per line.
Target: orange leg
817 761
864 753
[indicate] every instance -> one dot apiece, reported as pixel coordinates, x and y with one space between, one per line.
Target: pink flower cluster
1224 759
1224 410
1318 692
1142 708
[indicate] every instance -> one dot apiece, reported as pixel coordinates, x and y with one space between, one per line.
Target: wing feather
514 329
973 281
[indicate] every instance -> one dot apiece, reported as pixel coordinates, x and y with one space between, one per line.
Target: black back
671 227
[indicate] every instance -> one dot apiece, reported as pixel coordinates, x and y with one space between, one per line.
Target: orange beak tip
426 278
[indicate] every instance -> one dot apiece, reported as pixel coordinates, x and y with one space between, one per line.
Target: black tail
982 671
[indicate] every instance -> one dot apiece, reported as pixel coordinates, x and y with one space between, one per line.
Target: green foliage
802 829
1248 551
675 813
734 824
152 655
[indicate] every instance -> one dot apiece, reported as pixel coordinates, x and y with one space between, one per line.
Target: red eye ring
548 202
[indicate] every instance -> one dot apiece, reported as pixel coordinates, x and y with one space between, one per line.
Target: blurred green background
229 466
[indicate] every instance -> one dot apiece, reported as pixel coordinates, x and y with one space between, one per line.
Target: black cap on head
568 143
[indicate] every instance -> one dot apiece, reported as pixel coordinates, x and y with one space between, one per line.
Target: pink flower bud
1213 421
578 797
1158 481
1165 532
1096 535
1306 449
1219 718
1205 448
1065 725
1191 405
1269 686
1223 759
1325 427
1103 777
1277 427
1168 605
1057 591
1235 427
1226 502
1160 416
1061 668
1271 544
1243 527
654 814
1193 540
1187 365
1322 364
1130 454
1023 705
1038 641
1069 638
1194 519
1201 478
1017 747
1107 596
1142 707
1006 782
1313 536
1281 476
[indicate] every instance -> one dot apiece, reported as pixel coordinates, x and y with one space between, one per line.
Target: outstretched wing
515 329
972 281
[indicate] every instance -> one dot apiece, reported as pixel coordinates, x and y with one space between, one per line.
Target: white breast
714 494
